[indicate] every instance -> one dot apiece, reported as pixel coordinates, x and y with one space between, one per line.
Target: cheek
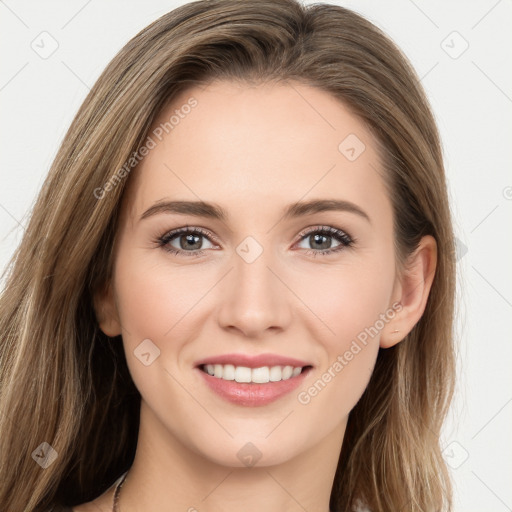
348 360
352 304
162 303
347 299
156 303
153 298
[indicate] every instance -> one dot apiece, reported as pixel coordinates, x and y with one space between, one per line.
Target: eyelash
339 235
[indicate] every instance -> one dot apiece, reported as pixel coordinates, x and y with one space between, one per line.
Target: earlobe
412 292
106 311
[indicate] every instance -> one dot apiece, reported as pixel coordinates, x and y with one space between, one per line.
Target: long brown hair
63 382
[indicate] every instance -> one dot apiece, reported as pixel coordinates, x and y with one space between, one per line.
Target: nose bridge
256 298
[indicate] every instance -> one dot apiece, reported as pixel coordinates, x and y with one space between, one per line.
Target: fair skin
253 150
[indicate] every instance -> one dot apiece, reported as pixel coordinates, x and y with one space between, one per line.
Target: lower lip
252 395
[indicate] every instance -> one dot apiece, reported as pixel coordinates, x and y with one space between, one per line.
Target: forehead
250 147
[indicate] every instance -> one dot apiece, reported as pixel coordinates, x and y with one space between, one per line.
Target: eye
321 239
187 241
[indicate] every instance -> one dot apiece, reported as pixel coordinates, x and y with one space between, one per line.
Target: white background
472 99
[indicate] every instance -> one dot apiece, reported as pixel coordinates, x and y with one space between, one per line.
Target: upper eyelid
320 227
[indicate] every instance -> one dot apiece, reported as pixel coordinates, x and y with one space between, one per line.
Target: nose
256 298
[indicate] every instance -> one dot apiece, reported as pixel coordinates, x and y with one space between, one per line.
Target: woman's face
261 287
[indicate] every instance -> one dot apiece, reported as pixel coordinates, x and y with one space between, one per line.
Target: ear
411 292
106 311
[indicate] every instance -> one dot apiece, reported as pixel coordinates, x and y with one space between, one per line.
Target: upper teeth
256 375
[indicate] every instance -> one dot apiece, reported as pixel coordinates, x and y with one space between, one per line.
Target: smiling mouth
261 375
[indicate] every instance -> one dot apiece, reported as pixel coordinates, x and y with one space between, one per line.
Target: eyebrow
215 211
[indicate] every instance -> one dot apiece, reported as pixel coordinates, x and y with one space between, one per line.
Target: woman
172 335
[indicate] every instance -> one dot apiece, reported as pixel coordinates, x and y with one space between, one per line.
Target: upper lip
256 361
